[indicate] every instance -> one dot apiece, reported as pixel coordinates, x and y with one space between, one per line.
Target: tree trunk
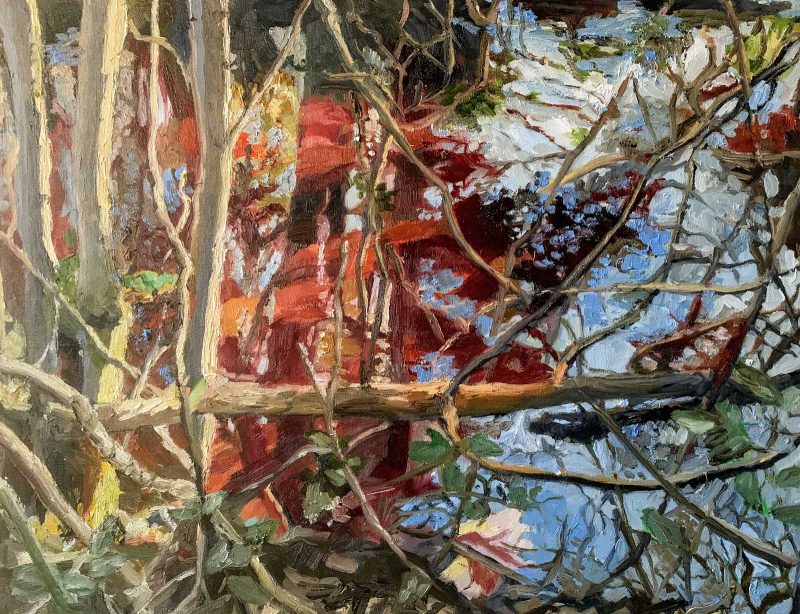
211 71
102 34
22 43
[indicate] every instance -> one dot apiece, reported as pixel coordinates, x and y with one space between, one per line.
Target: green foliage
150 283
484 102
748 486
431 452
788 478
789 514
316 501
665 531
766 39
730 439
475 509
758 383
481 445
66 270
698 422
653 30
577 135
246 590
519 496
412 587
226 556
321 439
590 50
452 478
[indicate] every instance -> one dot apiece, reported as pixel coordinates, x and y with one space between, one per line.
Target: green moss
485 102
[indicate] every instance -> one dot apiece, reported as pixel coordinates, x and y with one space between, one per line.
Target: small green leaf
519 496
336 477
259 531
317 501
789 514
213 501
318 438
430 452
105 564
245 589
698 422
78 585
27 585
104 536
412 587
481 445
664 530
217 557
788 478
190 512
475 509
452 478
758 383
150 282
747 485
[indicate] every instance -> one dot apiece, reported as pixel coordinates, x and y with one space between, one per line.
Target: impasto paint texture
366 306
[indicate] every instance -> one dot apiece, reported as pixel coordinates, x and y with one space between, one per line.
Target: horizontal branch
406 401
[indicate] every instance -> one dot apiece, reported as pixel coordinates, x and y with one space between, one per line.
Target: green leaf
259 531
105 564
481 445
79 585
475 509
150 282
412 587
698 422
224 556
788 478
758 383
747 485
217 557
213 501
519 496
27 585
452 478
336 477
190 512
323 440
245 589
730 440
664 530
430 452
317 501
789 514
104 536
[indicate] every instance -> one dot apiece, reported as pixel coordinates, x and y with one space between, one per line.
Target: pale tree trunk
102 34
211 70
22 43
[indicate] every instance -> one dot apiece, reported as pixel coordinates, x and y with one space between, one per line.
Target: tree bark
102 34
406 401
211 71
22 43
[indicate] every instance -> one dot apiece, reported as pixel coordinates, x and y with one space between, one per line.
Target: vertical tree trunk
22 43
211 70
102 34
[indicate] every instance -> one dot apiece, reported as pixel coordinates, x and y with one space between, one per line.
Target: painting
400 306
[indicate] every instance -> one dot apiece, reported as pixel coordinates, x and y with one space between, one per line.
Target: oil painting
366 306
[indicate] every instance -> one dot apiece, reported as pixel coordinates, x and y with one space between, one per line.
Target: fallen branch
404 401
86 416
